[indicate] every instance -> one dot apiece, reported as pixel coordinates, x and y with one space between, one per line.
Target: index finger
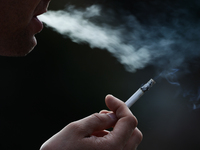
126 120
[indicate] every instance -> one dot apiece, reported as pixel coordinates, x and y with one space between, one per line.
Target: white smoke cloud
76 25
134 45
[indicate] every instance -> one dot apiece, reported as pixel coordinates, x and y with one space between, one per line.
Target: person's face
19 24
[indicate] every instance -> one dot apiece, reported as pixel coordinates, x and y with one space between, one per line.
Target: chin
19 49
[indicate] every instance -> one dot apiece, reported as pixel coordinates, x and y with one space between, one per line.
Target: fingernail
112 116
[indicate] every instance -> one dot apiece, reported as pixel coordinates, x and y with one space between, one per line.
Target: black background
61 81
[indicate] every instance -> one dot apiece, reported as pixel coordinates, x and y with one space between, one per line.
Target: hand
90 134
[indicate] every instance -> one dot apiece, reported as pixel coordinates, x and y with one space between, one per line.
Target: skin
90 134
18 26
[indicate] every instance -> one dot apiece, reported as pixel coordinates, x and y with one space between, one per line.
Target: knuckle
133 122
97 117
75 127
72 125
140 136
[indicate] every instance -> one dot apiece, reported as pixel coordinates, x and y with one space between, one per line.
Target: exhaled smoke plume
135 45
77 25
166 39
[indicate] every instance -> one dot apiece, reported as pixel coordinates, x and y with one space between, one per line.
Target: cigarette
139 93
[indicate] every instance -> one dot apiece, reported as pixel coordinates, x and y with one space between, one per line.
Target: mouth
38 25
40 9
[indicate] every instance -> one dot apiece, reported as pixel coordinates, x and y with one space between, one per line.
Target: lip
38 25
40 13
40 9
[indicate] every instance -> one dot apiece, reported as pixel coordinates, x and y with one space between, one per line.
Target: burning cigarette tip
148 85
139 93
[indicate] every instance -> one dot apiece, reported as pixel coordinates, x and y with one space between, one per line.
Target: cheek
16 21
12 24
17 13
16 29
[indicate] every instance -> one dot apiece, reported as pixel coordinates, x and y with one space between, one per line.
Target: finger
96 122
126 121
100 133
105 112
134 140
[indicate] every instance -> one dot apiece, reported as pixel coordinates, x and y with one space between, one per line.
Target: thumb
95 122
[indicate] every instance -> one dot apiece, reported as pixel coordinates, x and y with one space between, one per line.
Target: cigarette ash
148 85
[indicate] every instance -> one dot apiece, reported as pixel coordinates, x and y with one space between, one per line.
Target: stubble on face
17 34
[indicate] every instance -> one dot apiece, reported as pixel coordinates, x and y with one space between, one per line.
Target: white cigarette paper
139 93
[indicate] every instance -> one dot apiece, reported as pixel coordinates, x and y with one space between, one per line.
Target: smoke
135 45
78 25
169 40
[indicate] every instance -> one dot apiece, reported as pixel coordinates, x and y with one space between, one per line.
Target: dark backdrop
61 81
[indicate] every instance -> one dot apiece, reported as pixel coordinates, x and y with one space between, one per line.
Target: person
18 26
